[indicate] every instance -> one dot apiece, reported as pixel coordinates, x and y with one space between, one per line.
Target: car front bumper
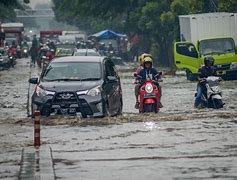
84 105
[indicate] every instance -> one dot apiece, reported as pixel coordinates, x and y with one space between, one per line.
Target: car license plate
72 110
68 110
149 95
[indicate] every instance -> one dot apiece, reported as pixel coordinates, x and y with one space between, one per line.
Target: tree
7 9
156 22
228 6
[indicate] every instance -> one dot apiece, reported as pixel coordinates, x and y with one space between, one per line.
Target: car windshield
88 53
72 71
217 46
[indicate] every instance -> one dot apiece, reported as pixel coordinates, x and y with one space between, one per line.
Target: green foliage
7 10
180 7
156 22
228 6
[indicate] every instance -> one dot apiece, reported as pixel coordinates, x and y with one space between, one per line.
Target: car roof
79 59
85 50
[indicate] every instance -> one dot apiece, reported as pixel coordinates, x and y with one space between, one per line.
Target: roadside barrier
37 129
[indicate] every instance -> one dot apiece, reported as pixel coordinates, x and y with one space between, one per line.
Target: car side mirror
111 78
33 80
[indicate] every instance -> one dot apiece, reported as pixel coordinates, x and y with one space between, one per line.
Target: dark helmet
209 60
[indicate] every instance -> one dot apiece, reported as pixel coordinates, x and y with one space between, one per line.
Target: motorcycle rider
148 72
25 46
34 51
137 84
205 71
110 47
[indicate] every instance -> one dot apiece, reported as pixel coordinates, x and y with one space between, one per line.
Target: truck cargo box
195 27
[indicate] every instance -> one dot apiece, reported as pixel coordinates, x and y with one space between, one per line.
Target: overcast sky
34 2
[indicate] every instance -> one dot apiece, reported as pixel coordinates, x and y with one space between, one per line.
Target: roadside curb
37 163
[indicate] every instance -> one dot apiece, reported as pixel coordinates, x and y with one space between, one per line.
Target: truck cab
190 57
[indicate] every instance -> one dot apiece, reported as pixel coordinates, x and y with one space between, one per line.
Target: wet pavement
179 142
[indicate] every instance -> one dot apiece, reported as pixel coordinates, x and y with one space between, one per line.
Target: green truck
209 34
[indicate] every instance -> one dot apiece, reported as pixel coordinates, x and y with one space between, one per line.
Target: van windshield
217 46
72 71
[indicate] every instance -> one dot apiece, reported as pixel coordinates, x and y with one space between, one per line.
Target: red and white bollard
37 129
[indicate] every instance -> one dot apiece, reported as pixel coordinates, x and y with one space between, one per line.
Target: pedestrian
34 51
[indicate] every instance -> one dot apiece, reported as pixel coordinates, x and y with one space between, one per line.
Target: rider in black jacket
204 72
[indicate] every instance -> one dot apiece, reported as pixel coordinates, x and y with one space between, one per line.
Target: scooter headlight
25 51
149 88
41 92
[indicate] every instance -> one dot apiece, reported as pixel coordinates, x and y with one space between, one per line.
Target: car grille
65 98
221 67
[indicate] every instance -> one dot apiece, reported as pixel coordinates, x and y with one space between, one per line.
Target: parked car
88 86
86 52
5 62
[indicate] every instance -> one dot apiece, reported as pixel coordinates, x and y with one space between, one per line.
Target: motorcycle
150 97
212 97
12 52
113 56
25 52
12 59
45 62
18 52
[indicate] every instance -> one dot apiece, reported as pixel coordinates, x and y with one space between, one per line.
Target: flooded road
180 142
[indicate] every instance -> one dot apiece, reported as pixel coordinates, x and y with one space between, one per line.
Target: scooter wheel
217 103
149 108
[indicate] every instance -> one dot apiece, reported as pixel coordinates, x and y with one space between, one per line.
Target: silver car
86 52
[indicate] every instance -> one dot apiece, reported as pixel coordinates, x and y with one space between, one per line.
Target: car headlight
82 92
149 88
94 91
41 92
233 65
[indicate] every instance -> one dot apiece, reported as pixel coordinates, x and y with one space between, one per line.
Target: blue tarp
107 34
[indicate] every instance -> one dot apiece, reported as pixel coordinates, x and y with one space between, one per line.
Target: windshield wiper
90 79
65 79
214 52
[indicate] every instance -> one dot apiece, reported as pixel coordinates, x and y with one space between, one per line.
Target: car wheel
120 109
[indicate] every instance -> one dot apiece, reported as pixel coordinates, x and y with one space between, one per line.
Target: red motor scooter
50 55
149 97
